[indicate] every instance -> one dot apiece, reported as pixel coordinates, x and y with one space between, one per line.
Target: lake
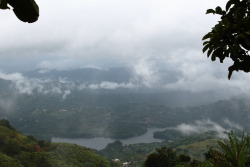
100 143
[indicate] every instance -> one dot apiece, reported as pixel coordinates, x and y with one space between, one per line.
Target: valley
119 121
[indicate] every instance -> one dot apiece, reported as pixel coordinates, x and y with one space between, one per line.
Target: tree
231 36
25 10
233 152
7 161
162 157
6 123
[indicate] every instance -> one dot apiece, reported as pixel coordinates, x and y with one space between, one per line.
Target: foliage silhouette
25 10
230 38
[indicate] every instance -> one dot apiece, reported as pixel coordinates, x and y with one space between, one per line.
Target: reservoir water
100 143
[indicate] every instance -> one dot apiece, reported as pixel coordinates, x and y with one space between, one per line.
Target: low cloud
189 70
65 94
109 85
7 104
21 83
201 126
63 86
82 86
145 73
24 85
232 125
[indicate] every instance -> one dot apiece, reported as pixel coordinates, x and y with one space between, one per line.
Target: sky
105 33
146 35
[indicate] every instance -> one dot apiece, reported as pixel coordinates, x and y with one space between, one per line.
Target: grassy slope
197 150
195 146
17 150
69 155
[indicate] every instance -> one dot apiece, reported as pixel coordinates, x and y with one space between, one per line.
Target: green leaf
218 10
210 11
208 35
206 42
230 71
3 4
217 53
221 55
213 58
209 52
226 53
221 60
205 48
228 5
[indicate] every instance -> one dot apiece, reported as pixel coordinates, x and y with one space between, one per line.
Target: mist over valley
124 83
114 103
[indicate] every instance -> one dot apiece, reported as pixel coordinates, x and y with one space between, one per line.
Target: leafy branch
231 36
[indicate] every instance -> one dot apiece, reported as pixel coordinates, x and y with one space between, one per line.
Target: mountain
88 114
94 102
123 83
84 75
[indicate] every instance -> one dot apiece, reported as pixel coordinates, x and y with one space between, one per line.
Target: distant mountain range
30 98
84 75
119 82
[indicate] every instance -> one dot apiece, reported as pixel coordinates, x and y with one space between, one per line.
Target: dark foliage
231 36
25 10
162 157
6 124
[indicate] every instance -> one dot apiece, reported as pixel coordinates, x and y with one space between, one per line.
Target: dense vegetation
17 150
194 146
231 152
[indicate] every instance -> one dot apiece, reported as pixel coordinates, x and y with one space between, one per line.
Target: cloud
60 64
188 70
62 86
65 94
109 85
208 77
12 77
201 126
82 86
22 84
232 124
7 104
145 73
110 33
160 40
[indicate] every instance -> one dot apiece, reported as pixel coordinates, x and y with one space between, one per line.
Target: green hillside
117 116
69 155
17 150
197 150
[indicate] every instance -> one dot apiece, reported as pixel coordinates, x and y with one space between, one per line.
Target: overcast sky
105 33
147 35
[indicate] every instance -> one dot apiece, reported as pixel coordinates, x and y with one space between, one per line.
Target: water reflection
99 143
